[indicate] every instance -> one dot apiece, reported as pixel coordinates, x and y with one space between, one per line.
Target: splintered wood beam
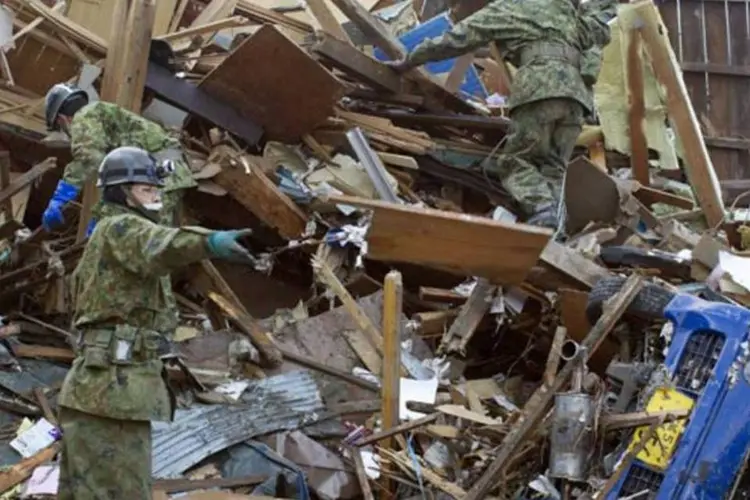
572 264
472 312
371 357
22 470
23 180
258 194
250 328
536 407
648 196
6 205
327 21
637 112
698 165
393 290
349 59
359 466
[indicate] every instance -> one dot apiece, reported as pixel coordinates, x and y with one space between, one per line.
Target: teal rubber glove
223 244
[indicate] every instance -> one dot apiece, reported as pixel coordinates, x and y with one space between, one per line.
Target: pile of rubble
417 339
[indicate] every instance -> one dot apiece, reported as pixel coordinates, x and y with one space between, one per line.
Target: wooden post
698 166
637 111
124 74
392 305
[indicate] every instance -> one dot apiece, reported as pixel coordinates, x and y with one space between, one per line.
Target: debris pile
403 332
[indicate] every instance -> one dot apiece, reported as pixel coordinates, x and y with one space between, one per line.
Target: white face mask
153 207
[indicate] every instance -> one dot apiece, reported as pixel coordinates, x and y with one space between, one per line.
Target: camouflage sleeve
89 146
595 16
477 30
145 248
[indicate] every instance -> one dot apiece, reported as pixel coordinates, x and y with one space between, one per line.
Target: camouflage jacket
119 300
523 31
100 127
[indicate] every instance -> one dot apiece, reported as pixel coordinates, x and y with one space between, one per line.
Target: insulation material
612 96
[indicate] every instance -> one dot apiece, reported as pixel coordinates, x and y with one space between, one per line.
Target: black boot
544 216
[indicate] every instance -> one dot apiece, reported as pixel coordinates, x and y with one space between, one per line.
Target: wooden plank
349 59
191 99
6 205
22 470
138 33
247 324
469 245
698 163
269 79
637 112
390 392
23 180
648 196
322 13
97 16
257 193
575 266
462 330
359 466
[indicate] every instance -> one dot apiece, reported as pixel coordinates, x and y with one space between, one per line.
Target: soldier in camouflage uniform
97 128
115 386
550 43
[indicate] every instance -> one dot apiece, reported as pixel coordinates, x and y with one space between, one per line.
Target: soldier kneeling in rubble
553 44
116 384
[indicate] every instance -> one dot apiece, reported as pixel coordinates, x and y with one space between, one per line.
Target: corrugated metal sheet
270 405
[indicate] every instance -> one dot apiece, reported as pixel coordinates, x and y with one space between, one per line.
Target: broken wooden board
463 244
698 165
577 268
349 59
271 80
259 195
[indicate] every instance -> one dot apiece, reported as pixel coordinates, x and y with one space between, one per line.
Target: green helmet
130 165
59 95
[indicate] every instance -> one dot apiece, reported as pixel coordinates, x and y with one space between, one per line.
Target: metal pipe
570 350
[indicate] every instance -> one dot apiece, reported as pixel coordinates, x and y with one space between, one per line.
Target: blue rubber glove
90 227
223 244
53 217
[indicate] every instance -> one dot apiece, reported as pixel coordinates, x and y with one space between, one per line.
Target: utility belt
550 50
118 345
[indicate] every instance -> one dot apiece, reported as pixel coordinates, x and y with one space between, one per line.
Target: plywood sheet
274 82
96 15
464 244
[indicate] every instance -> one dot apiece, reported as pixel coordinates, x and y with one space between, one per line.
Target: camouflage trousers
104 459
537 149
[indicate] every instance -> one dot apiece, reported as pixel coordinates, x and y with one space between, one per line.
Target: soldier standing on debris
94 130
545 40
115 386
